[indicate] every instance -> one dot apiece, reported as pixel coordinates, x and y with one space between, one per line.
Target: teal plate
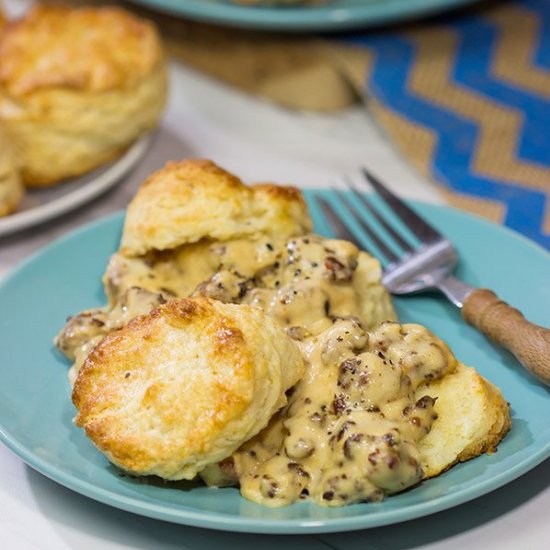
332 15
64 278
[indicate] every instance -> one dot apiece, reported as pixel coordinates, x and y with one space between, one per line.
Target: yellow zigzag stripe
519 30
418 144
499 127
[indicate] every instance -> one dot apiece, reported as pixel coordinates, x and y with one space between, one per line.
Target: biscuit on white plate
77 87
184 386
191 200
11 188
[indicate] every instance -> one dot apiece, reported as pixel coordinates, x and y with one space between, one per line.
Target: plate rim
328 17
225 522
109 177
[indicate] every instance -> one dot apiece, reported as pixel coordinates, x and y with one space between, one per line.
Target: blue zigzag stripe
457 137
541 57
473 70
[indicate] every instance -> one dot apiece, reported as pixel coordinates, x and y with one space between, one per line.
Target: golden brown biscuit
77 87
195 199
377 410
473 417
11 188
84 331
184 386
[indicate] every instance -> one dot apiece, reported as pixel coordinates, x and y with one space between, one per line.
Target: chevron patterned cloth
467 100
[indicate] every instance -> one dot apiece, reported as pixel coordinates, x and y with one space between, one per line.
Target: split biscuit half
184 386
195 199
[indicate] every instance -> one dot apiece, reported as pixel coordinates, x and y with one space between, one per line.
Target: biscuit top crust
195 199
212 176
90 49
184 386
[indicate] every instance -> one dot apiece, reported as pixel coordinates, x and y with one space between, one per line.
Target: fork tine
423 230
339 227
375 214
390 255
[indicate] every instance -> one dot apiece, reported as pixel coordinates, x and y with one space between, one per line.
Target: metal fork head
409 266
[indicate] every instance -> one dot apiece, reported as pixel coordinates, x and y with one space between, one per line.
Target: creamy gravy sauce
279 277
350 430
351 427
304 283
174 273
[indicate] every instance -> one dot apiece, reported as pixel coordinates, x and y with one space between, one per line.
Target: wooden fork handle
506 326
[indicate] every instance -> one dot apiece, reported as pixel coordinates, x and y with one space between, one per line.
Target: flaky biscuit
77 87
11 188
473 417
195 199
184 386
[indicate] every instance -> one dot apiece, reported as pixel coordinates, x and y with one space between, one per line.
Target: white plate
40 205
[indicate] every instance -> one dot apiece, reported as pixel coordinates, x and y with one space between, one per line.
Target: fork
429 266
